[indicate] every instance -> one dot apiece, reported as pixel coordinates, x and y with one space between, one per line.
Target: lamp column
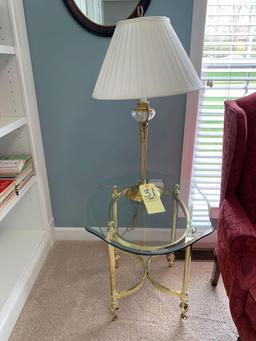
142 114
143 150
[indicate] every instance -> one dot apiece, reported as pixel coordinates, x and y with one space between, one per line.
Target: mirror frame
91 26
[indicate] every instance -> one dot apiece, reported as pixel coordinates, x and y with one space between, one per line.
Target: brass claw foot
114 308
184 309
170 259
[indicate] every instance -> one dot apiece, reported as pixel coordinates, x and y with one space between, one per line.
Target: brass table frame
113 236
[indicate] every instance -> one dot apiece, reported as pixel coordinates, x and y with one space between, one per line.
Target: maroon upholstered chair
236 246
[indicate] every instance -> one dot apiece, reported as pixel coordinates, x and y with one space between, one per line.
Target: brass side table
126 225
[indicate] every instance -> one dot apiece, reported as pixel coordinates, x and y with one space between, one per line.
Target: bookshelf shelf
7 49
9 124
14 202
26 221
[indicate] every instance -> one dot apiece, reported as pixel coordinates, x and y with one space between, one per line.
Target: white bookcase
26 224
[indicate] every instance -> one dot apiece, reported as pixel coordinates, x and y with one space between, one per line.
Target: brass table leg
184 292
113 256
114 294
113 236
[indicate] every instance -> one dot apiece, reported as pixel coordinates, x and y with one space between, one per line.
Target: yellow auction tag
151 198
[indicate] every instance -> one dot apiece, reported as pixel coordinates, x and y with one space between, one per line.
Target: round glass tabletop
126 224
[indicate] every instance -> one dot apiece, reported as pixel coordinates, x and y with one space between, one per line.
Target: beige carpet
70 301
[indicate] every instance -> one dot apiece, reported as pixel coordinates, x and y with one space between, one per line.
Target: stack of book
7 192
18 168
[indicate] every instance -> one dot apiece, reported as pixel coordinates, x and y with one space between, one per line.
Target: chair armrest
241 238
238 227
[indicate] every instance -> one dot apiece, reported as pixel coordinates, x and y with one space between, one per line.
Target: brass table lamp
145 59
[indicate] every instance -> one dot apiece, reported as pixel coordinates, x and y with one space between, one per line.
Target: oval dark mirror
101 16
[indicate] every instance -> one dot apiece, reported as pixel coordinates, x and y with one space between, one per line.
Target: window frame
192 101
191 118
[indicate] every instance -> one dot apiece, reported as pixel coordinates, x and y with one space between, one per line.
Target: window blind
228 72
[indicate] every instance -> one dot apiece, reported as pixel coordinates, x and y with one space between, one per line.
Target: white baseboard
79 233
51 226
73 233
14 304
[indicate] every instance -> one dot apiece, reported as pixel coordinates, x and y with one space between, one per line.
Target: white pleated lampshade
145 59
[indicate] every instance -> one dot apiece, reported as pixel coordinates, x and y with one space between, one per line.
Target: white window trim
191 118
196 54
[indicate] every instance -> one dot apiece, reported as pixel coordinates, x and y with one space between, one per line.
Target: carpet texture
70 301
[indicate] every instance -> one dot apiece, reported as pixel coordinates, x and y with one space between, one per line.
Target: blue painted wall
89 142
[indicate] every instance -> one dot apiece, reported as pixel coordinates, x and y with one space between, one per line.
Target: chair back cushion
234 143
247 183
